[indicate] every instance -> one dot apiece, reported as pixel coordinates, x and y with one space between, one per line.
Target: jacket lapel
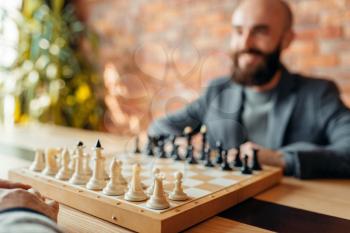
284 102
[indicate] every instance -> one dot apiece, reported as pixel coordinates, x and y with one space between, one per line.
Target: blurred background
115 65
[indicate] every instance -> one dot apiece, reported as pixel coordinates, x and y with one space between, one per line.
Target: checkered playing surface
198 180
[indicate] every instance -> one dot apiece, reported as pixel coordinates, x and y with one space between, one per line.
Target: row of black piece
155 147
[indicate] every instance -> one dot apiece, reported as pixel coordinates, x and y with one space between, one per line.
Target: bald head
278 8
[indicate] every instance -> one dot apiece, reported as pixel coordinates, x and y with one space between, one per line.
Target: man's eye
261 31
237 31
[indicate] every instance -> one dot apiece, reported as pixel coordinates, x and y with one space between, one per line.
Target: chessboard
210 190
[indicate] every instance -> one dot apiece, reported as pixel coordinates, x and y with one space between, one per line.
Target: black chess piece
189 150
188 135
208 162
238 162
246 169
256 165
149 146
172 142
219 149
191 159
225 166
204 141
98 144
175 153
137 146
161 150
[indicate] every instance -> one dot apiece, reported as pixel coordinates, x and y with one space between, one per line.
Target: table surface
321 200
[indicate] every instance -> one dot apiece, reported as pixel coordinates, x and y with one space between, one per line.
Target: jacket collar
284 103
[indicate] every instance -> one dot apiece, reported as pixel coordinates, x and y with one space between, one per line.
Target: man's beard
260 74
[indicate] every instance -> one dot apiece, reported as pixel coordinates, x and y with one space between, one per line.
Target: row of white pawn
79 172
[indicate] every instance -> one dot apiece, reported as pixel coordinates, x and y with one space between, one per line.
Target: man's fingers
36 193
54 207
12 185
53 204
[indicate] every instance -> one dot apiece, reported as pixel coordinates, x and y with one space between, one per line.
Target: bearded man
297 123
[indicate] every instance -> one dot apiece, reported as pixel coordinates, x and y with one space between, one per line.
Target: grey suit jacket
309 123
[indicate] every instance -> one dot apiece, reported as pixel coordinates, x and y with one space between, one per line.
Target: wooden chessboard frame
141 220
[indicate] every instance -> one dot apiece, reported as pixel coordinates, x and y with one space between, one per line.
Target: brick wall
156 55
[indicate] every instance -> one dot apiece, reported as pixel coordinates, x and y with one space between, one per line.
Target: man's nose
246 41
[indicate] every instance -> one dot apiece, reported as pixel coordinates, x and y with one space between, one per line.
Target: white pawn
135 191
51 166
150 189
178 194
72 162
97 181
115 186
87 168
79 177
122 179
59 157
39 161
65 172
158 200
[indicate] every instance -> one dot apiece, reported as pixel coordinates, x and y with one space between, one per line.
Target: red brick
318 61
305 47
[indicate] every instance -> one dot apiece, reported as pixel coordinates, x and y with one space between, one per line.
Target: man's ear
287 39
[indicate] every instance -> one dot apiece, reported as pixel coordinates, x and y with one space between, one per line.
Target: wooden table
317 200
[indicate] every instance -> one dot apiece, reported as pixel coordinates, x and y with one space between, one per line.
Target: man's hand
5 184
265 155
17 195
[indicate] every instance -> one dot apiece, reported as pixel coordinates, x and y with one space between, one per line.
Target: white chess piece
97 181
72 162
178 194
158 199
39 161
78 176
122 179
135 191
65 172
150 189
51 166
59 157
87 168
115 186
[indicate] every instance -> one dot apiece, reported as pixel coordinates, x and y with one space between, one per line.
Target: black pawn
136 147
208 162
81 144
161 151
256 165
246 169
191 159
219 159
175 153
172 141
225 166
149 146
238 162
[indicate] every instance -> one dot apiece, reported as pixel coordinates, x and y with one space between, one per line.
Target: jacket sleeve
306 160
26 221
